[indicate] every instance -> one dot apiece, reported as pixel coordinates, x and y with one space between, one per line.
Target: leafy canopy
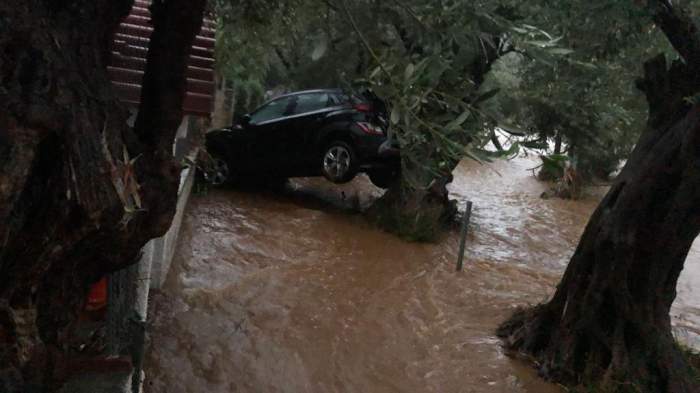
456 71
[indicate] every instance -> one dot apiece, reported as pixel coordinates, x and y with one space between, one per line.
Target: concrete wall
159 252
224 103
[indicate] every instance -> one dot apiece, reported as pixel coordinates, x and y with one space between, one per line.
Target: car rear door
309 113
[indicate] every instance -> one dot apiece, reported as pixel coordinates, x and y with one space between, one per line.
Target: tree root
652 366
415 215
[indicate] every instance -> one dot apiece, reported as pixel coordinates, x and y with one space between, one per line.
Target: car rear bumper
379 154
388 150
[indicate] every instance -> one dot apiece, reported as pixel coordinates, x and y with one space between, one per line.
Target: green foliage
430 65
247 35
553 166
454 71
588 95
249 93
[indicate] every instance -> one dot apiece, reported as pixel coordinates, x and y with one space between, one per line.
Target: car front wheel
220 173
338 162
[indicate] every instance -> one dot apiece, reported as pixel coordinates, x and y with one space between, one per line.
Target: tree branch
331 5
282 57
365 42
679 28
175 25
410 12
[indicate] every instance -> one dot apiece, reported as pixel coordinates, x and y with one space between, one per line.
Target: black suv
309 133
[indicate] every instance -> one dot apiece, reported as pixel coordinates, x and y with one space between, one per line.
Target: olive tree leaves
456 72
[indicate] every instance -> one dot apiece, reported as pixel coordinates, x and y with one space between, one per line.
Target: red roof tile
129 51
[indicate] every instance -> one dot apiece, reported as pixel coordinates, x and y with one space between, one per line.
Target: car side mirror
241 120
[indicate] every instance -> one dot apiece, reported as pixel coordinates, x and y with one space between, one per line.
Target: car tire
220 172
339 162
200 177
383 178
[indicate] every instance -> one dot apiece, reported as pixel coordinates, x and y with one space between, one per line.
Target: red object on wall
128 63
97 298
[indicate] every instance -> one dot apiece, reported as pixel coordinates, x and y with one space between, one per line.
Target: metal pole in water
463 235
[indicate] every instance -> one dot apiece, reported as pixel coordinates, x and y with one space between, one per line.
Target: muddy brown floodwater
288 292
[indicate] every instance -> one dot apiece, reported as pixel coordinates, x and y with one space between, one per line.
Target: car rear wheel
338 162
220 173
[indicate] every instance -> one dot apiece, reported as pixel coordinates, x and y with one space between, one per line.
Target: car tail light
369 128
362 107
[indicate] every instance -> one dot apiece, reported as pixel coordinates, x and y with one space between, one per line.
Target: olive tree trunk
608 323
80 191
417 206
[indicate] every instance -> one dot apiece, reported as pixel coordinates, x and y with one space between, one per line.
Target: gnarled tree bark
608 323
73 203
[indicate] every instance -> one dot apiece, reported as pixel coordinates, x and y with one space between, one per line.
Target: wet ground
290 292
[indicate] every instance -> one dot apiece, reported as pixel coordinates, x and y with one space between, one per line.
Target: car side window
272 110
310 102
341 99
333 100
